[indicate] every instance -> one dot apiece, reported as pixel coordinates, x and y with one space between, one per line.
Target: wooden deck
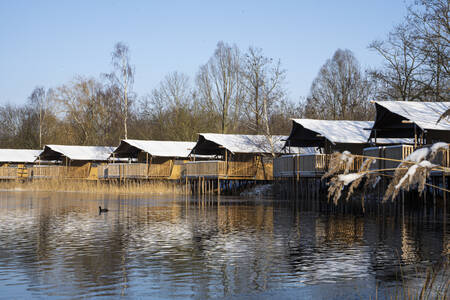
138 171
247 170
306 165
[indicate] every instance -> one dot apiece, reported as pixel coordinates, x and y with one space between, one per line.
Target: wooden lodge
147 160
418 122
70 162
413 120
14 163
235 157
326 136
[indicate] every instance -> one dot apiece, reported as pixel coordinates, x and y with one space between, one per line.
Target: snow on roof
303 150
389 141
18 155
241 143
92 153
423 114
162 148
345 132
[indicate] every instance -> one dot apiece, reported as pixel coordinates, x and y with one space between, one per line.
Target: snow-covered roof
345 132
423 114
158 148
90 153
18 155
237 143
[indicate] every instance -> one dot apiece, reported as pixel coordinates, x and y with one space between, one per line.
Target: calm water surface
56 245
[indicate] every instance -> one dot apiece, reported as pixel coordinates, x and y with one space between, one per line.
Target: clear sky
49 42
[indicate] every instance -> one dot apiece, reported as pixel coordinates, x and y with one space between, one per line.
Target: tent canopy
85 153
131 148
313 133
18 155
215 143
400 119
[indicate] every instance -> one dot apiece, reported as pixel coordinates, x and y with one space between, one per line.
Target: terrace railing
134 171
218 168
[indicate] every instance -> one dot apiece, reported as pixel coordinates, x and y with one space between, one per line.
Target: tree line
235 91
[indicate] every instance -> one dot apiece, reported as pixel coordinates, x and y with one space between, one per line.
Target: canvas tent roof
130 148
214 143
88 153
310 132
425 115
18 155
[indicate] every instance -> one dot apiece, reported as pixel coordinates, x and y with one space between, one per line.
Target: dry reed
410 173
339 161
115 187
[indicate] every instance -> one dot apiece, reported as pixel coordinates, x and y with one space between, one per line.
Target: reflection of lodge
147 160
234 217
237 157
340 230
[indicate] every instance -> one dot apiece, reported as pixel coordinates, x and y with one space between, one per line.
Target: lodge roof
88 153
423 114
18 155
130 147
213 143
310 132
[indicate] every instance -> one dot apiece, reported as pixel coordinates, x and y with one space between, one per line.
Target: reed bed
435 285
113 187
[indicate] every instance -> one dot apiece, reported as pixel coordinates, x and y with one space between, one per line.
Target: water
58 246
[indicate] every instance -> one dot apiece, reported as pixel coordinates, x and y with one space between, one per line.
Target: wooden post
218 186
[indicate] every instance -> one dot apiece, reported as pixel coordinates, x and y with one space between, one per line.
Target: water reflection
57 245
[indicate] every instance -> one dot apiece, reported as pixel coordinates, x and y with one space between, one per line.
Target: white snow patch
418 155
411 171
259 190
426 164
347 178
376 182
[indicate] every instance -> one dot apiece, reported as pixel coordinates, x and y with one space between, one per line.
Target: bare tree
90 111
416 55
402 74
340 91
219 85
39 100
172 110
430 29
123 77
263 81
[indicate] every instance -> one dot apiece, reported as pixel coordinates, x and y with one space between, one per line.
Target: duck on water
101 210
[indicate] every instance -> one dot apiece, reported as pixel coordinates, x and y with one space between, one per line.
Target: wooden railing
8 172
285 166
307 164
124 171
46 171
218 168
52 172
160 170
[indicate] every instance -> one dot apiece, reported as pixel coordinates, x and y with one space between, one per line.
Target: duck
100 209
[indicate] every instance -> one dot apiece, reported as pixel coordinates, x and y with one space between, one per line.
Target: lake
57 245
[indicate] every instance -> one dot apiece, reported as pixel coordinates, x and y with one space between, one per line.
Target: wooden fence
231 169
307 165
134 171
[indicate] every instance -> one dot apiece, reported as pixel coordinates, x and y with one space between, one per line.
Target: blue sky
50 42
